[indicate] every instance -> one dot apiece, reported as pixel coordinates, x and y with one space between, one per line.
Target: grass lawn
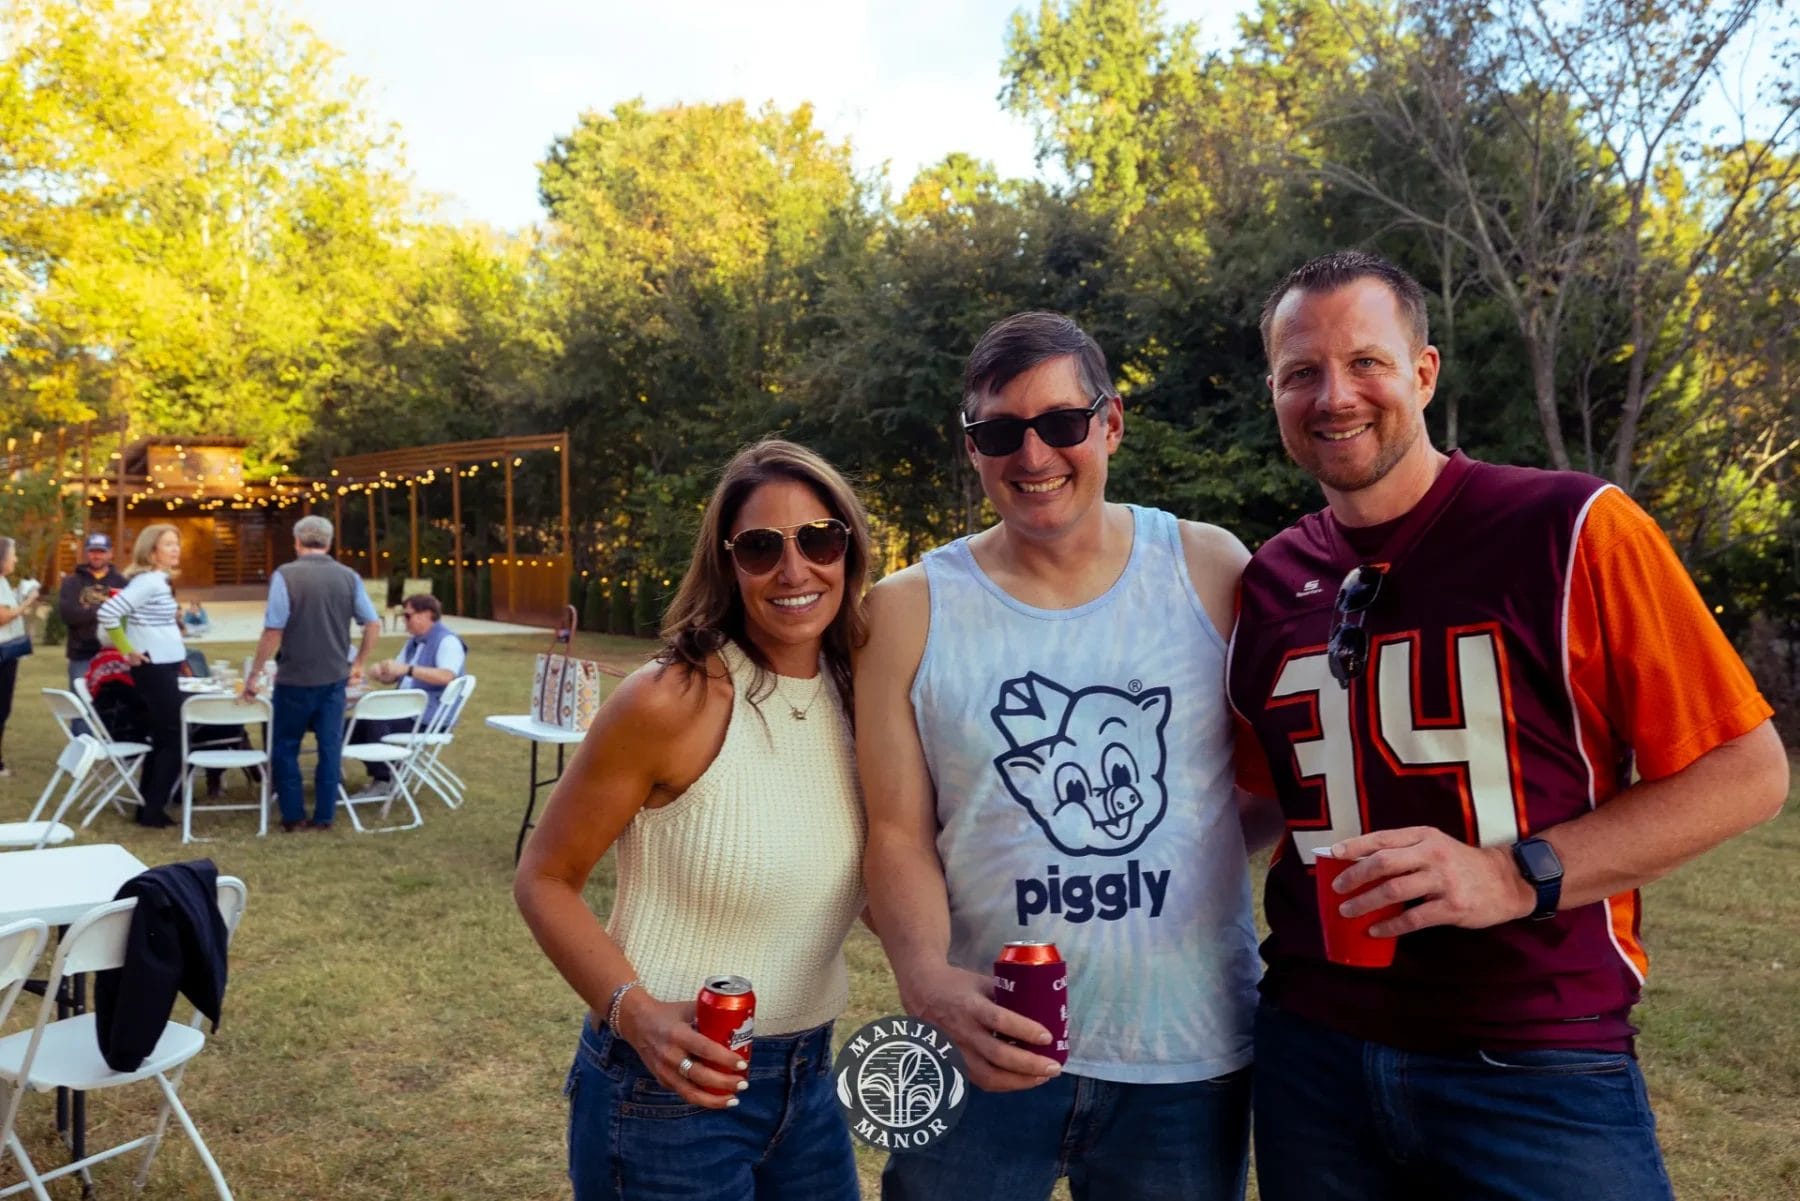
392 1032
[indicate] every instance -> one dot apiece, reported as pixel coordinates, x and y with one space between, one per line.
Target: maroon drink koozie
1031 979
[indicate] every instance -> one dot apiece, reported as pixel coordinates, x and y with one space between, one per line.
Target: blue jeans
1115 1142
319 708
631 1139
1342 1119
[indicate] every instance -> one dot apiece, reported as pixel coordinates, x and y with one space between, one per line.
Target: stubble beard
1396 443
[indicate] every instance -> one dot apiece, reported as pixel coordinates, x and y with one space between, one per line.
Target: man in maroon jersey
1449 674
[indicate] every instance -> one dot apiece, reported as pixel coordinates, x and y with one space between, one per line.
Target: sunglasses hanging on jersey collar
1348 648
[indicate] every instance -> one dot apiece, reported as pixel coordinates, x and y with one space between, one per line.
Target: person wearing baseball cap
83 591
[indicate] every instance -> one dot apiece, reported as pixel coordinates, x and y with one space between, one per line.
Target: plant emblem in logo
902 1083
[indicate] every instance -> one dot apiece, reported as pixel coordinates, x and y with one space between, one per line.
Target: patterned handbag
565 691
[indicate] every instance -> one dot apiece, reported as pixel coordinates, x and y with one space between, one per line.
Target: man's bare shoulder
1212 549
900 596
898 608
1215 560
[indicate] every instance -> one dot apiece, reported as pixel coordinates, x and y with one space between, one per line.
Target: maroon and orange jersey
1534 635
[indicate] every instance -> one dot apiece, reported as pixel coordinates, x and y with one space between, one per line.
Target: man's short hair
424 602
313 532
1340 268
1018 343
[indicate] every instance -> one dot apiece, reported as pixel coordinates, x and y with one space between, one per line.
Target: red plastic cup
1347 939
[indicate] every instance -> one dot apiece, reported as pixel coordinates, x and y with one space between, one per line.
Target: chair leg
349 806
94 784
418 819
124 770
156 1136
187 803
25 1165
187 1124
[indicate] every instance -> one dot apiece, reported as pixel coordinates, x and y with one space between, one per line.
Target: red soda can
726 1013
1031 979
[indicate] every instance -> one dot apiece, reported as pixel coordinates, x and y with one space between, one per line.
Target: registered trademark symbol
1135 685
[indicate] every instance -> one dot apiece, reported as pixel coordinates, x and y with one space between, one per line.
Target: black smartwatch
1543 871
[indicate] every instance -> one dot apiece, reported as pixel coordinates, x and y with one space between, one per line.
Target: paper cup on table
1347 939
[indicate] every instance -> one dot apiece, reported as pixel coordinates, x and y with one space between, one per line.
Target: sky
478 89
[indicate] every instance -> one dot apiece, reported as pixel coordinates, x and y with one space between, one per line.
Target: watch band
1547 884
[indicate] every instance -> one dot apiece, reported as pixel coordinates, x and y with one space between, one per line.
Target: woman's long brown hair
708 607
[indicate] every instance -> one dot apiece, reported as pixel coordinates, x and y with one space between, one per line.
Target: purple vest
421 650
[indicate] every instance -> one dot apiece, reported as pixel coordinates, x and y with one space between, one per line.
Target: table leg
531 795
71 1104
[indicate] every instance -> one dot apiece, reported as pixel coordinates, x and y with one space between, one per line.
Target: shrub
619 611
593 608
646 616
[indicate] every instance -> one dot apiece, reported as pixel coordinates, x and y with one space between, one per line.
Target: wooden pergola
532 586
196 483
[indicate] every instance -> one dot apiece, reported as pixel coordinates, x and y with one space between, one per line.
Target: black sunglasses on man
1055 427
1347 650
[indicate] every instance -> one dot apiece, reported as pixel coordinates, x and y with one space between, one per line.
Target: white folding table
523 725
57 886
60 884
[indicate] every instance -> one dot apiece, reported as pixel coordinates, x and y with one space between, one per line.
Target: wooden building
232 532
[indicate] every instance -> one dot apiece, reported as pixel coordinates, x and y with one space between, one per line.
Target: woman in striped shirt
143 621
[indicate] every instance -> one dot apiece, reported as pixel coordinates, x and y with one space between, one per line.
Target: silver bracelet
618 997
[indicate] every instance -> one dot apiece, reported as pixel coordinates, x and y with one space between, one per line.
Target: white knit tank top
756 869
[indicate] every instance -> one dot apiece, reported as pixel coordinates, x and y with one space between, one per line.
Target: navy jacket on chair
177 944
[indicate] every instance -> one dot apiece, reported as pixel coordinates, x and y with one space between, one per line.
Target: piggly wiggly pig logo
1087 765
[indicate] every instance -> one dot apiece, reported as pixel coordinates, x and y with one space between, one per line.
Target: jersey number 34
1473 741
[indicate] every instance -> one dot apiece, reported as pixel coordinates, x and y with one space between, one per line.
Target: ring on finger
685 1066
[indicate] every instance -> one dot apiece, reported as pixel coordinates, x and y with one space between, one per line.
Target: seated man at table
431 658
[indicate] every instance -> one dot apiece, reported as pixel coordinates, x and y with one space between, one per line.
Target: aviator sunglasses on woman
756 552
1058 427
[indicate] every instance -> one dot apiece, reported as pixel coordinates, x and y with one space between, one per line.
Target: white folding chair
433 737
121 757
33 834
223 710
21 943
397 704
66 1054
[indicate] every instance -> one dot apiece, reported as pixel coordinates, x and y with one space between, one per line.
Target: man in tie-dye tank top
1046 754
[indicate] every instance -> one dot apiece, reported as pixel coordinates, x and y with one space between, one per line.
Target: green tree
593 608
681 266
194 216
619 619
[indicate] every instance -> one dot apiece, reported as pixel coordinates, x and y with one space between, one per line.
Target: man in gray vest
311 604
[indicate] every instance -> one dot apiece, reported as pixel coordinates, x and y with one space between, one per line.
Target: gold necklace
794 711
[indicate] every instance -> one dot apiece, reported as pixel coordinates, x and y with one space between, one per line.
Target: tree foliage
199 225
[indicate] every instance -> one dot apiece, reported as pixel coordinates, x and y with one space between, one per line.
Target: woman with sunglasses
724 773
